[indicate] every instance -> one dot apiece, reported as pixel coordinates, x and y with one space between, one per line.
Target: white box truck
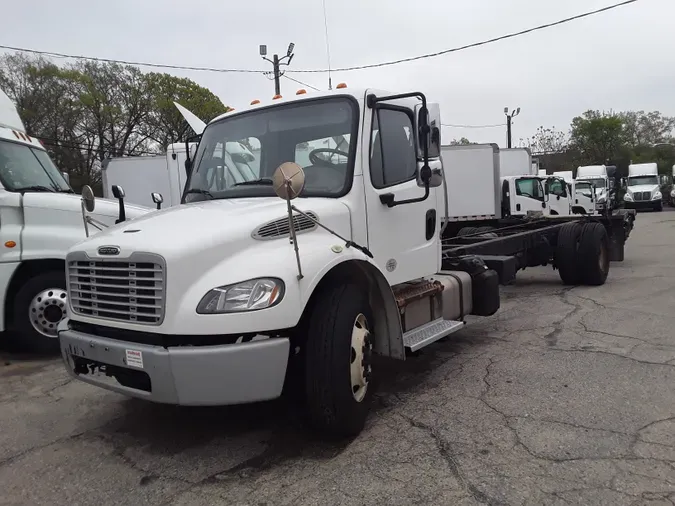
516 162
40 218
642 187
245 289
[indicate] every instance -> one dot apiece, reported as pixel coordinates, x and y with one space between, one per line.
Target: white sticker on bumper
134 359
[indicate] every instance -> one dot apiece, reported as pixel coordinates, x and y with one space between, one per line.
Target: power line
127 62
343 69
300 82
473 126
481 43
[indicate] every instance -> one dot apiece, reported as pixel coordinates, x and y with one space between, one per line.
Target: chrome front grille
641 196
130 290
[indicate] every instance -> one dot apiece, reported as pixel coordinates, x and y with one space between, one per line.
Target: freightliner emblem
108 250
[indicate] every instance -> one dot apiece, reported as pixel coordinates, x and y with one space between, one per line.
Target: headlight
245 296
628 197
672 194
602 199
656 196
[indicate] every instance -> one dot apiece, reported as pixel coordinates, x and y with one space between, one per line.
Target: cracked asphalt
566 396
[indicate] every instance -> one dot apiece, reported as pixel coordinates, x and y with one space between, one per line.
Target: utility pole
276 64
509 117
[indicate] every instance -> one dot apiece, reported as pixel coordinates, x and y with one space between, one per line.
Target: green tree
165 124
463 141
598 136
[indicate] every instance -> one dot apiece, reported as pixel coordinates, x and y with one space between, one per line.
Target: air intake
279 228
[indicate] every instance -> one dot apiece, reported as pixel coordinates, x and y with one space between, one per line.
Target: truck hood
207 232
105 208
643 188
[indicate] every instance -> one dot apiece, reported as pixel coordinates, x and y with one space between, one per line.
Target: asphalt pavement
566 396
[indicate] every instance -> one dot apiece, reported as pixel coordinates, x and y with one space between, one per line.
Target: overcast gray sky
622 59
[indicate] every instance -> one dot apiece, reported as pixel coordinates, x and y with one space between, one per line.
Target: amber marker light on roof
301 92
256 101
341 85
276 96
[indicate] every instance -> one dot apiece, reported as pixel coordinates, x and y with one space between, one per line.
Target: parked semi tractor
40 219
642 187
324 260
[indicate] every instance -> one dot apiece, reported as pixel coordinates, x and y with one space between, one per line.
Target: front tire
39 306
338 367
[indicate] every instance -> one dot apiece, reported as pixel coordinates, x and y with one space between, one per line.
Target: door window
392 158
557 187
529 187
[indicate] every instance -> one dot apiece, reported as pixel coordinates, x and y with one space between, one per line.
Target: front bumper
190 376
643 204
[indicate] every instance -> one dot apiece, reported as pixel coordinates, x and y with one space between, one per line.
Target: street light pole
509 117
277 63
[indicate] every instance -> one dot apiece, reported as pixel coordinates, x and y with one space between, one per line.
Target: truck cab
40 218
582 200
643 188
598 176
546 194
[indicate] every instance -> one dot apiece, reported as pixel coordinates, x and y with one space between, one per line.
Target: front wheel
39 306
338 368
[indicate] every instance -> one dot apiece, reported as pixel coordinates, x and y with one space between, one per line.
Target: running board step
429 333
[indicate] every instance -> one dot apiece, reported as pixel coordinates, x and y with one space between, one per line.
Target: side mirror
157 199
435 179
429 130
88 199
66 176
118 193
188 166
88 203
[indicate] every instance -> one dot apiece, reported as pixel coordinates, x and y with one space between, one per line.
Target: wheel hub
47 310
361 358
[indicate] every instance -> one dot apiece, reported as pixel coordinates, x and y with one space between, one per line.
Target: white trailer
238 293
516 162
141 176
40 218
642 187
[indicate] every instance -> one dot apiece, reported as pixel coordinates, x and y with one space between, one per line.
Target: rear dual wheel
582 254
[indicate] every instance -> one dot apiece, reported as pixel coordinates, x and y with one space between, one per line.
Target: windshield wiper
66 191
200 192
35 188
263 181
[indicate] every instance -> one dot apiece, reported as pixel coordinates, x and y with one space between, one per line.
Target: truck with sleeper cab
39 221
336 252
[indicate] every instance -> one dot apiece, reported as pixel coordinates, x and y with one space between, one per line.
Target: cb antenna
325 24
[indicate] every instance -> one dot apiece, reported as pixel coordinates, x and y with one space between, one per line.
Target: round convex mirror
288 180
88 198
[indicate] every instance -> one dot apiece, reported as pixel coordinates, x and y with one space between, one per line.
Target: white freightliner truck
219 300
642 187
40 218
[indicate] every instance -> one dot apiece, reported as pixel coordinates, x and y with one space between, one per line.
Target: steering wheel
316 160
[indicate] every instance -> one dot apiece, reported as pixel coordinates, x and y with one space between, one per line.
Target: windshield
584 188
27 168
638 180
598 182
314 134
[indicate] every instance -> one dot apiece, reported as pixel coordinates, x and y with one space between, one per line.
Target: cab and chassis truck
219 300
